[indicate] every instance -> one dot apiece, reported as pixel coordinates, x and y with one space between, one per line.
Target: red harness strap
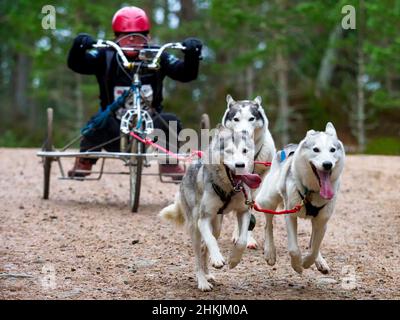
148 141
253 204
197 153
267 164
297 208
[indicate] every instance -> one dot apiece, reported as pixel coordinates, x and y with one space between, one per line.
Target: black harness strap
311 210
258 152
225 197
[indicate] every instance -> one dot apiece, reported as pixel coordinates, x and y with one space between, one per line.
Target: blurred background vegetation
294 54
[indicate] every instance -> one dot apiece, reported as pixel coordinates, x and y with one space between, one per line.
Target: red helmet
130 19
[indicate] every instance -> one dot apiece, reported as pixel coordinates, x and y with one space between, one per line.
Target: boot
81 164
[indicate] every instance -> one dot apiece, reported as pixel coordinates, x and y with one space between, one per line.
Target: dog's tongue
326 190
253 180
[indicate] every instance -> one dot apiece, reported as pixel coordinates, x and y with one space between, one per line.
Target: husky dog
207 191
249 115
307 173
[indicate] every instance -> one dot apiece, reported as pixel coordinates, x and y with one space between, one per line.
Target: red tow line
297 208
199 154
267 164
253 205
148 141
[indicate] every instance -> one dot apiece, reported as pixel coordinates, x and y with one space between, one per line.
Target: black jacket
94 62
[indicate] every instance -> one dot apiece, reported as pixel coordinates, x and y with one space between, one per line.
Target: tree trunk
360 113
327 66
33 125
149 8
388 83
187 12
22 67
283 97
249 82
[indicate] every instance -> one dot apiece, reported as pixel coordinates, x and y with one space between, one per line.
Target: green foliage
10 139
384 145
239 36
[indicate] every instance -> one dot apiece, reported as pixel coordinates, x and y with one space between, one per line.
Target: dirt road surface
84 243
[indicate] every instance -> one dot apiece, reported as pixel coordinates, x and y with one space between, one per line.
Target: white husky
309 172
249 116
209 190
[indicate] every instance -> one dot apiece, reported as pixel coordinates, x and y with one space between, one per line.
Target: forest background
306 59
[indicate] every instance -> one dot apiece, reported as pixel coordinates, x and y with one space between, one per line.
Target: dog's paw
218 262
235 237
210 277
252 243
237 251
308 261
298 268
236 255
204 285
322 265
296 261
233 263
270 256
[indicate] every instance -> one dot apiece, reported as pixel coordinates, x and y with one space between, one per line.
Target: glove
193 46
84 41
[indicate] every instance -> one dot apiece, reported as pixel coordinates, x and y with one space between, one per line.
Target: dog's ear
229 100
258 100
219 126
311 132
330 129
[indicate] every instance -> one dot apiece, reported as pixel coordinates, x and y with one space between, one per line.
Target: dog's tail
174 212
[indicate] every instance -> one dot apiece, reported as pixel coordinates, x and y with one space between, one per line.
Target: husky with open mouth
307 173
249 116
211 187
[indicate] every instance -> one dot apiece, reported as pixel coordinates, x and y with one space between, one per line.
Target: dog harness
227 197
311 210
258 152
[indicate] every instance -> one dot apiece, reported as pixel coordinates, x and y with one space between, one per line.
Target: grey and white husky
310 173
249 115
210 189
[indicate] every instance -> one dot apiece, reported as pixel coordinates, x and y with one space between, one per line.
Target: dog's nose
327 165
239 165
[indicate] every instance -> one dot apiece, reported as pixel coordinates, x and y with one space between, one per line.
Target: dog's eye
332 150
315 150
251 119
245 150
236 119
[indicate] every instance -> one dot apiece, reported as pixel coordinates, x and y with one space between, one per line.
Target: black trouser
112 130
